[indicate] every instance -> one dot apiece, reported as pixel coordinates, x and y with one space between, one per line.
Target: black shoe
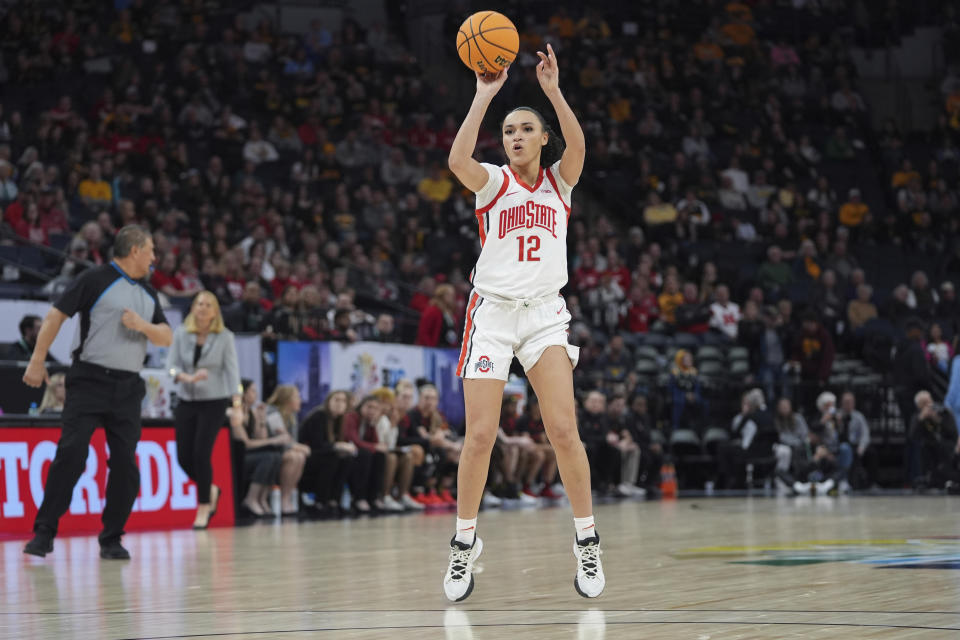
114 551
41 545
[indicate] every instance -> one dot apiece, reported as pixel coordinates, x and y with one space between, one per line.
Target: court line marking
222 611
543 624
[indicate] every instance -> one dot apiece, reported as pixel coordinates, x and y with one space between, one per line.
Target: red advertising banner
167 499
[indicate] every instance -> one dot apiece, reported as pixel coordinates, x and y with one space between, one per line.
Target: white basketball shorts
495 331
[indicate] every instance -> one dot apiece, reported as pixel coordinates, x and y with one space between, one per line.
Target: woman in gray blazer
203 359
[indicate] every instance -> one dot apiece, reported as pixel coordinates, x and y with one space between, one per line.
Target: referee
104 386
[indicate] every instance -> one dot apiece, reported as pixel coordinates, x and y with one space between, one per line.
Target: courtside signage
167 498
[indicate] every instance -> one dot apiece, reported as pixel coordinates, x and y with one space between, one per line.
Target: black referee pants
95 397
197 423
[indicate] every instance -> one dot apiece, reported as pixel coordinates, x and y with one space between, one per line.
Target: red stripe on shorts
466 333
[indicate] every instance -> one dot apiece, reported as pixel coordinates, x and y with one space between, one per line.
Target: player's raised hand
547 71
489 84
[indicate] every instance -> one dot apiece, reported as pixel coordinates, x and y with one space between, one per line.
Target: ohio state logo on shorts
483 365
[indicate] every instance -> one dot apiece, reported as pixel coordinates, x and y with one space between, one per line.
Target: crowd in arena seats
739 223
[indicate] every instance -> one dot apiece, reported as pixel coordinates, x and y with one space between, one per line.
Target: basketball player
516 310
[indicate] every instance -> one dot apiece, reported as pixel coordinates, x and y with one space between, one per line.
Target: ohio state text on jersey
523 233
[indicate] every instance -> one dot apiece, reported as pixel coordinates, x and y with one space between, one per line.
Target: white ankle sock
466 530
585 527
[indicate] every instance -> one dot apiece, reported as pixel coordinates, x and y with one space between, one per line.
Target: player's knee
564 436
479 441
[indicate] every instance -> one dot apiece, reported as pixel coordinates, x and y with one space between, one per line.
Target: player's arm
36 373
571 163
470 172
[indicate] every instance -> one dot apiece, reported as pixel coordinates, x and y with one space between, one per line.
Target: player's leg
482 404
552 381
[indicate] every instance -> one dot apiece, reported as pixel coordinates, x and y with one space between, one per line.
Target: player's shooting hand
36 374
548 74
489 84
132 320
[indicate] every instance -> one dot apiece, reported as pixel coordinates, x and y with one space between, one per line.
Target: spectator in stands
830 461
911 372
8 185
360 429
616 361
31 227
897 310
854 429
426 426
752 437
257 150
604 458
792 433
22 349
332 456
949 305
651 452
904 174
807 264
94 190
828 301
262 452
773 356
530 424
774 274
621 436
54 395
824 197
922 298
724 314
750 333
660 217
689 407
165 280
939 351
693 316
642 310
438 326
813 353
861 310
932 444
400 461
948 313
384 330
283 407
669 301
248 315
514 452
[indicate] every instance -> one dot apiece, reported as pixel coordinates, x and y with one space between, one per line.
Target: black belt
119 374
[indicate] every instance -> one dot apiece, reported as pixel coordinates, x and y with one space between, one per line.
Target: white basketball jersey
523 231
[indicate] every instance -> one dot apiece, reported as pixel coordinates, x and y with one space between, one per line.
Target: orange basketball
487 41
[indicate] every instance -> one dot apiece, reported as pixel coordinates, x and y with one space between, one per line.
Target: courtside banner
167 499
317 368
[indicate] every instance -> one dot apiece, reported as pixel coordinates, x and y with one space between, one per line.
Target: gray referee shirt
100 295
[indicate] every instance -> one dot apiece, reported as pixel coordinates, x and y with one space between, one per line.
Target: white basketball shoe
589 581
458 581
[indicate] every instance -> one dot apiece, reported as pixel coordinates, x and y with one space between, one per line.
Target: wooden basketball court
849 567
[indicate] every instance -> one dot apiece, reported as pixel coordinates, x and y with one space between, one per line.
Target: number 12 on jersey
532 246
